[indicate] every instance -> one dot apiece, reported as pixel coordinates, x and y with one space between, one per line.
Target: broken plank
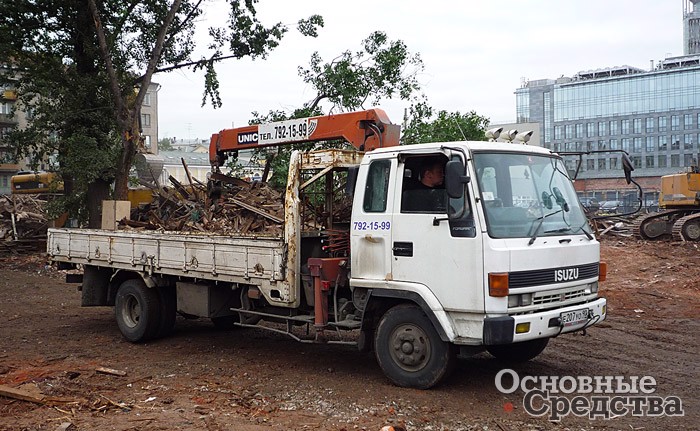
229 180
20 394
110 371
257 210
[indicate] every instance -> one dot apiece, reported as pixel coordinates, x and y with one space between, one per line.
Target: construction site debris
231 207
110 371
614 226
23 223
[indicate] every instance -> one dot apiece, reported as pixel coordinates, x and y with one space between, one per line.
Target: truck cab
503 259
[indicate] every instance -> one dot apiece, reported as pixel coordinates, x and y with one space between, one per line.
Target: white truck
502 259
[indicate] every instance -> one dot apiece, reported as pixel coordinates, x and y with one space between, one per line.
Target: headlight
522 300
593 287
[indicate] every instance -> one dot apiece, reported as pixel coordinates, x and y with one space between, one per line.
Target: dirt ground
248 380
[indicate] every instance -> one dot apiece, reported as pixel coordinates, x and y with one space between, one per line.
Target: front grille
539 277
548 298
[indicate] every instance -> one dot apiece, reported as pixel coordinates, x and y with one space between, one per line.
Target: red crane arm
364 130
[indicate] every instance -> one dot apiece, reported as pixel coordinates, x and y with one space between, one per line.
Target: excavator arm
364 130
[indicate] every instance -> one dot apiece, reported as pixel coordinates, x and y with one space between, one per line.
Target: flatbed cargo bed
203 256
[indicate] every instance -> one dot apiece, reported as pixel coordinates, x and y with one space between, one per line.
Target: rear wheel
137 310
519 352
409 349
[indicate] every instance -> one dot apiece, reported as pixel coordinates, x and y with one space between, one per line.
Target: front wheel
519 352
137 310
409 349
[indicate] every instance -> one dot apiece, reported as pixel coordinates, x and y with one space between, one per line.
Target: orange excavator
679 202
364 130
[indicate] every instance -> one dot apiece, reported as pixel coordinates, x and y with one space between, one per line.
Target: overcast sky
476 53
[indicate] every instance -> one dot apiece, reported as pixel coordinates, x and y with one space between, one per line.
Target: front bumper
502 329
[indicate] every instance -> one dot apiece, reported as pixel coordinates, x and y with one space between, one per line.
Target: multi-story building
149 118
653 115
11 117
691 27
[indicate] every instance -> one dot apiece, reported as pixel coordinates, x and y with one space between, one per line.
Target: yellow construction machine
679 204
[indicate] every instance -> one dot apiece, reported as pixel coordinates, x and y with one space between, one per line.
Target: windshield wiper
560 230
541 220
568 229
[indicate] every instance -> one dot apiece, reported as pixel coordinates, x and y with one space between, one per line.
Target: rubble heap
23 222
236 208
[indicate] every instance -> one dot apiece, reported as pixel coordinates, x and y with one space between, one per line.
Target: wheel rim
654 228
131 312
692 231
410 347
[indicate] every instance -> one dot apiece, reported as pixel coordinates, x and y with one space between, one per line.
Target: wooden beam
256 210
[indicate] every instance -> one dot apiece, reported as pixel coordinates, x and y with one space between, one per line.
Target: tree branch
183 23
125 16
157 50
189 64
122 117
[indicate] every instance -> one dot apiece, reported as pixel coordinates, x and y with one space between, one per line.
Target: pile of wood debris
23 222
620 226
237 207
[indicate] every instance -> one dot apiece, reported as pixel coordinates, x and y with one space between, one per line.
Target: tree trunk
121 182
268 165
97 191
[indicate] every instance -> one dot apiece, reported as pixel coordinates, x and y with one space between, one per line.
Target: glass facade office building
653 115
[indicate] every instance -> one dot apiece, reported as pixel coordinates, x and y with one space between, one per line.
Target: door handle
402 248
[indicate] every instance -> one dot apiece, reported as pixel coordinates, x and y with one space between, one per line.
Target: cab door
370 230
428 249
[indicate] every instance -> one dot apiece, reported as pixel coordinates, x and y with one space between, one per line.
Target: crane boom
364 130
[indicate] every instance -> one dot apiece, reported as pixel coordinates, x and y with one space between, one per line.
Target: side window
423 189
377 187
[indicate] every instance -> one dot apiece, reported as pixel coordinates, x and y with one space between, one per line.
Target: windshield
527 196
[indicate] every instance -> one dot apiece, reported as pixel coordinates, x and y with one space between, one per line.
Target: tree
83 68
381 69
165 144
423 125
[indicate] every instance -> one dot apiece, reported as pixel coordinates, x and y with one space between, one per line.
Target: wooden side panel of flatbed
208 257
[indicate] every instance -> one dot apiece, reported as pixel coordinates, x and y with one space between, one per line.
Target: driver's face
435 176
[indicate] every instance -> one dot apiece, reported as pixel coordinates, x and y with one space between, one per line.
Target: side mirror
627 167
455 179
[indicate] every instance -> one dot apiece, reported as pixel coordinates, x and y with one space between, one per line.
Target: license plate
575 317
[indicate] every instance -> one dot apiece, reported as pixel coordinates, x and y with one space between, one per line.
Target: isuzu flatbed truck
501 260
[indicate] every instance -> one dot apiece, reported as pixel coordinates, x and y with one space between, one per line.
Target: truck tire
137 309
518 352
409 349
168 311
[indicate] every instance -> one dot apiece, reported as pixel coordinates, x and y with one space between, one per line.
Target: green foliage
382 69
423 125
77 64
165 144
